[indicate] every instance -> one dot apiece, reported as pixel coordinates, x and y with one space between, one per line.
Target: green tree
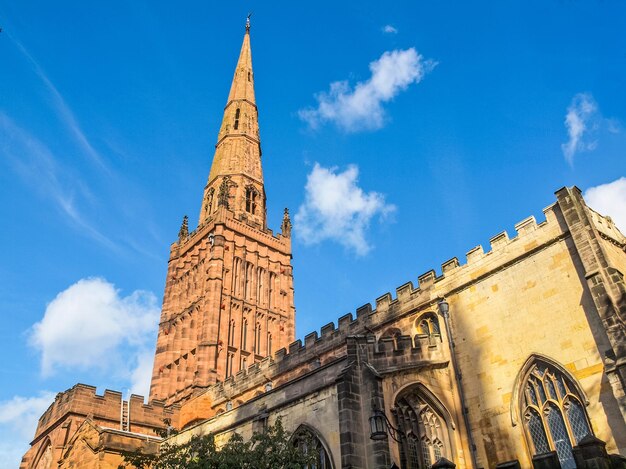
271 449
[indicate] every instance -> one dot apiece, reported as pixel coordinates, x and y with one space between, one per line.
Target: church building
514 358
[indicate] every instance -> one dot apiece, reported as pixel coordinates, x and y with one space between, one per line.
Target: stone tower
228 298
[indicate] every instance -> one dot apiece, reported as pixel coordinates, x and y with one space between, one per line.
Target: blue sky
402 133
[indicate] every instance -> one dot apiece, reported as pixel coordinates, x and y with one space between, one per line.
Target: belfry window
236 124
553 412
251 200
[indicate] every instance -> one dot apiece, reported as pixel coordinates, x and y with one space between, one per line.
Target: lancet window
308 442
236 124
251 199
423 431
553 412
270 295
260 275
231 333
244 334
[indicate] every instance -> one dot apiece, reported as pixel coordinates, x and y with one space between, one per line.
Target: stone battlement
529 236
83 400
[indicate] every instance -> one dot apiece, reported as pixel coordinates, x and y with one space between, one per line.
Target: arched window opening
269 343
553 413
244 334
249 76
248 281
229 364
231 333
270 295
308 442
424 437
251 199
260 285
237 276
428 325
257 339
236 125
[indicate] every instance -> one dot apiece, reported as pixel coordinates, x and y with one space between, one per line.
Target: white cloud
389 29
18 421
336 208
90 325
361 108
610 199
142 374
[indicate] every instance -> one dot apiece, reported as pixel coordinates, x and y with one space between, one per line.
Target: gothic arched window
424 437
428 325
553 412
308 442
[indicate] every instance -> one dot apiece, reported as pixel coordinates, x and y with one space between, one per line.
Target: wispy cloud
389 29
586 126
91 326
18 421
361 107
61 108
38 168
610 199
336 208
581 123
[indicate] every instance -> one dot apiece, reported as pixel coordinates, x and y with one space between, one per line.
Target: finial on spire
183 234
248 22
286 225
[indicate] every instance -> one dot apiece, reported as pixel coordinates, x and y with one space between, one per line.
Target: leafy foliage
272 449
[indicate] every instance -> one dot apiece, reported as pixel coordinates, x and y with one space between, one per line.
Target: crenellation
498 241
327 329
364 310
449 265
345 322
474 254
404 291
426 279
383 302
527 225
312 338
295 346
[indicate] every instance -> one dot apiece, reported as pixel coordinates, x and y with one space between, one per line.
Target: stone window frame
521 410
304 431
444 440
427 325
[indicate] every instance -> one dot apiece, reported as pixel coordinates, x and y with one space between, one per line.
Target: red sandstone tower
228 298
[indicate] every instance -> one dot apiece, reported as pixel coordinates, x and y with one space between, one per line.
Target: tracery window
428 324
553 413
424 437
308 442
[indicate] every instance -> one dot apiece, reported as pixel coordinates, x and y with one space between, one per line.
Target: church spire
238 149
